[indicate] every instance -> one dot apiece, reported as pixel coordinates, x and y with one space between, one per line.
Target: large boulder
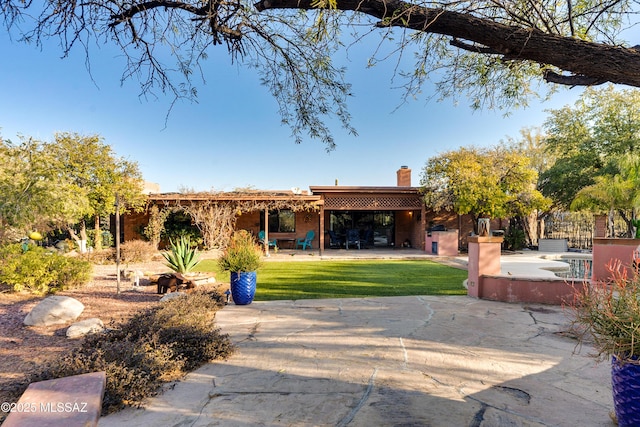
54 310
88 326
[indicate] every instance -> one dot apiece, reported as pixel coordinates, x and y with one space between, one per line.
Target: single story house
385 216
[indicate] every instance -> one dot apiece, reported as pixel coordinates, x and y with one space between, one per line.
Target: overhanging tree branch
587 62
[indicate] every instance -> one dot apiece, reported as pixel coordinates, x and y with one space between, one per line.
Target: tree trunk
97 234
612 231
627 221
530 227
590 63
82 241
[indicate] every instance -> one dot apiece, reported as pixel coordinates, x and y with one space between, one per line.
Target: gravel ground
23 349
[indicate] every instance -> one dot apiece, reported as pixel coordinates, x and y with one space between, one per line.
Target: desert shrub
156 345
40 271
137 251
101 257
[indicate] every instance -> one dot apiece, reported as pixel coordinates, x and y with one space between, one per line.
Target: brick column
600 228
484 258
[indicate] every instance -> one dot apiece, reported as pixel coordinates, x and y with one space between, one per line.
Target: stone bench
63 402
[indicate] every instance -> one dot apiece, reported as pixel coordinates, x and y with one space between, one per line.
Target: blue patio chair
306 241
272 242
366 240
353 238
334 240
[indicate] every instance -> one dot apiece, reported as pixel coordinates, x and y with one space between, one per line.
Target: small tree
91 165
495 182
36 193
617 190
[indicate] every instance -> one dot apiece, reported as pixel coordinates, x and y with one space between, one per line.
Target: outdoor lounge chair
367 239
334 240
353 238
306 241
272 242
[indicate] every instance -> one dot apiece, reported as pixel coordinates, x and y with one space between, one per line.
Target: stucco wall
606 250
447 242
529 290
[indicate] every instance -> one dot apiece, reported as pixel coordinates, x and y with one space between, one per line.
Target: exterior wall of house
305 221
404 229
249 221
132 225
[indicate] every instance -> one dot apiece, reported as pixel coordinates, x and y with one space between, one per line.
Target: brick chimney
404 176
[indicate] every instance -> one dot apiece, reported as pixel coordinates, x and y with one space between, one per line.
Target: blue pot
625 382
243 287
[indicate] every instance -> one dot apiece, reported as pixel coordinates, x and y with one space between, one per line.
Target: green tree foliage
53 185
496 52
93 166
617 189
532 145
36 194
596 143
495 182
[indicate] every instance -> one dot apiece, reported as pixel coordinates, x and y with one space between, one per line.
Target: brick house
389 216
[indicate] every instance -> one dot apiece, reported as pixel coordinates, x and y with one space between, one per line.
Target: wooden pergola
369 198
238 202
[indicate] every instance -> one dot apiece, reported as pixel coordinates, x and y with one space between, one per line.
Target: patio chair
368 237
353 238
272 242
334 240
306 241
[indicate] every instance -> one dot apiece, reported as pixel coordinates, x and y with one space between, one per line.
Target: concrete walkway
397 361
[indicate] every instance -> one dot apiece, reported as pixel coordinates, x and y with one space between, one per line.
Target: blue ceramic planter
243 287
625 382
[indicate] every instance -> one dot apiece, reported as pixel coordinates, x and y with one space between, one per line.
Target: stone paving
396 361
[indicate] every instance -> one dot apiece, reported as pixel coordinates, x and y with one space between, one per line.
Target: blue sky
232 137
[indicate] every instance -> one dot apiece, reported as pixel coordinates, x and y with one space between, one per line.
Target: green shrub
70 272
39 271
157 345
137 251
242 254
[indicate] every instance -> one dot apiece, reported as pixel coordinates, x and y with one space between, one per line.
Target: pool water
579 268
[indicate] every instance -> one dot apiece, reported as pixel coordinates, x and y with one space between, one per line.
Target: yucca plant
183 257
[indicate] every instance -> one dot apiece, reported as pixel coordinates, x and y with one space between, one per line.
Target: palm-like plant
183 257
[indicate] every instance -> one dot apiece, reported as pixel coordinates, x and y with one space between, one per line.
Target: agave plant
183 257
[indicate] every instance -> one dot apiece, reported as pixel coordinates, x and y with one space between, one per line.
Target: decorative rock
54 310
89 326
173 295
68 401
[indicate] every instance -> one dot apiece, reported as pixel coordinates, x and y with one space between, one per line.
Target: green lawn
351 279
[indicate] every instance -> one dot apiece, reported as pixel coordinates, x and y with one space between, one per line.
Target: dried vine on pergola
216 219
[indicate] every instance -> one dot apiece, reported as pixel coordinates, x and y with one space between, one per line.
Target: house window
282 221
